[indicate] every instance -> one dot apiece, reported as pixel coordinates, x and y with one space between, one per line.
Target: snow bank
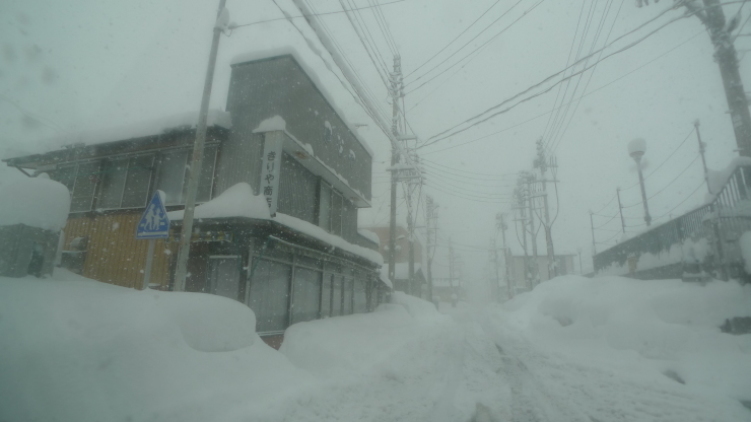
36 202
236 201
415 306
77 349
667 324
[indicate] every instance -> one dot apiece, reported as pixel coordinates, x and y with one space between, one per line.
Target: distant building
282 137
419 286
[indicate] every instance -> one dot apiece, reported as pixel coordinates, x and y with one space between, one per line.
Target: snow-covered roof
291 51
146 128
239 201
36 202
369 235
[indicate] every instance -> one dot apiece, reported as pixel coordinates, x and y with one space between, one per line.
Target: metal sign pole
149 261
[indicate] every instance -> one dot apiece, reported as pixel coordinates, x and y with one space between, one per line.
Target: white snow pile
75 349
236 201
36 202
391 366
78 350
667 326
271 124
369 235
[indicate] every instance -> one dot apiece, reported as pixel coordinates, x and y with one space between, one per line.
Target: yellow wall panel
113 254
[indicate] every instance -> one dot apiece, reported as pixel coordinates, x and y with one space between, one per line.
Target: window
349 220
224 276
172 172
206 181
306 295
82 196
336 213
126 182
137 184
269 296
324 206
113 183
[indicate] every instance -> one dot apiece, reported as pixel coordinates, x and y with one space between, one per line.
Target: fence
735 186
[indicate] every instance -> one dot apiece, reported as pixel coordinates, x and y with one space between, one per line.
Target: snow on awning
239 201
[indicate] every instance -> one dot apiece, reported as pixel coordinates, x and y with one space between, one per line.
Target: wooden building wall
113 254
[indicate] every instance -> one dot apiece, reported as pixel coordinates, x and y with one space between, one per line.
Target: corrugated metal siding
239 159
113 254
279 86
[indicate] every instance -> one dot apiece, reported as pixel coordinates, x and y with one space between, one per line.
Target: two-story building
281 142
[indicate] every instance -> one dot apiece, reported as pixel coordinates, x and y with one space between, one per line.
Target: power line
473 51
231 27
483 115
452 41
550 112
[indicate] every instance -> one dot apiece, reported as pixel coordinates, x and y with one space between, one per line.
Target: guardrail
735 186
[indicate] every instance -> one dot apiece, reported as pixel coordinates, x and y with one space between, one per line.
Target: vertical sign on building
272 161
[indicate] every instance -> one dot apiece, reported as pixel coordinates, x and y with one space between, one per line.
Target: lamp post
636 149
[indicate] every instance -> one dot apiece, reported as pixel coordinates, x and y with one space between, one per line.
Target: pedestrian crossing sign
154 223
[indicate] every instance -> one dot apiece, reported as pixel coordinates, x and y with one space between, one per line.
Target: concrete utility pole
532 234
519 193
396 94
715 222
620 209
194 171
592 225
502 226
711 14
452 274
431 234
542 163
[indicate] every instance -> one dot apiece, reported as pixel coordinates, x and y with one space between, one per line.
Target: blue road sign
154 223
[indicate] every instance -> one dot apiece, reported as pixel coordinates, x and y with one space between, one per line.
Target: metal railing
662 237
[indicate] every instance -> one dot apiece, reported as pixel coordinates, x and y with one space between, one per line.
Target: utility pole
503 227
194 171
532 233
431 217
542 164
396 94
592 225
711 14
702 150
521 209
452 274
620 209
715 222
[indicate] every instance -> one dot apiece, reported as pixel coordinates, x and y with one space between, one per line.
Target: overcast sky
80 65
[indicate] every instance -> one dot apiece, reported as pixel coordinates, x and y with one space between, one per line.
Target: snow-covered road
574 349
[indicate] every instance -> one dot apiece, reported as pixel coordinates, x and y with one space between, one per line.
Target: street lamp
636 149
